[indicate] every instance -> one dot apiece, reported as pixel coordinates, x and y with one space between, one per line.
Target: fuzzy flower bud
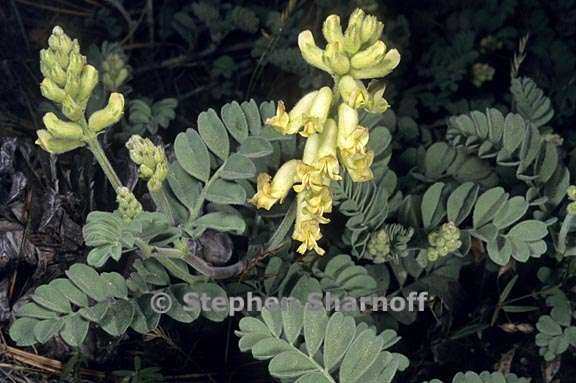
88 81
115 72
128 206
371 30
571 208
571 192
443 241
482 73
109 115
59 41
55 145
379 246
153 165
356 18
310 51
352 41
335 59
332 29
62 129
72 109
370 56
52 91
382 68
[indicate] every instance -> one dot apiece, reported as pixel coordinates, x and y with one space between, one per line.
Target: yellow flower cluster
69 82
333 134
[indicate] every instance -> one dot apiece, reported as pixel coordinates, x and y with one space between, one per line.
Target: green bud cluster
115 71
443 241
388 243
482 73
490 43
153 165
571 193
128 206
69 82
379 246
357 51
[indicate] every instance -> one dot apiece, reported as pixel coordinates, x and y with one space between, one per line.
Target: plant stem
98 152
161 200
167 261
563 234
202 197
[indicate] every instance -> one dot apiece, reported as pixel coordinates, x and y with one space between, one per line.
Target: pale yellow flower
358 165
356 142
291 122
318 114
319 202
308 232
309 177
270 191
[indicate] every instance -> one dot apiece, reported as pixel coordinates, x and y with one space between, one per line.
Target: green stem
202 197
98 152
563 234
161 200
168 262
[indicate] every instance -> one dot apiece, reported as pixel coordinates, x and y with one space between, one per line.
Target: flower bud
59 41
571 192
381 69
310 51
72 109
109 115
356 18
352 40
128 206
153 165
48 60
55 145
371 30
571 208
378 247
335 59
57 74
332 29
62 129
77 63
369 56
72 86
51 91
88 81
